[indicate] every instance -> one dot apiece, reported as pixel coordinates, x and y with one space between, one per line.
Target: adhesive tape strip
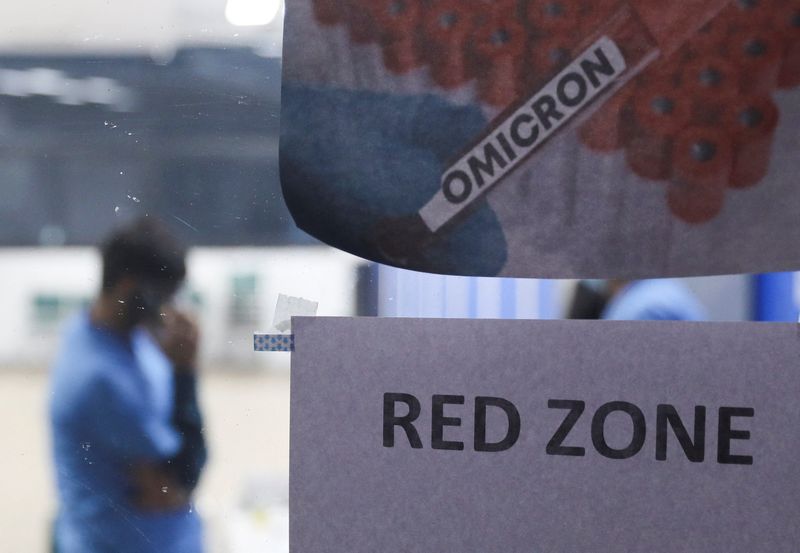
273 342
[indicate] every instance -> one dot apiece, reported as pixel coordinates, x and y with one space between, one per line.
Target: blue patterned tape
273 342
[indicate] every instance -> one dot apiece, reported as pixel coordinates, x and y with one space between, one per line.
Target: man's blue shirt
111 404
654 300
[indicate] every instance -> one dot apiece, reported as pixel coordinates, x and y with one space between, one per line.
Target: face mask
148 299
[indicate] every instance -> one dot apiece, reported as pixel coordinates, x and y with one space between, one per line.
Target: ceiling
155 27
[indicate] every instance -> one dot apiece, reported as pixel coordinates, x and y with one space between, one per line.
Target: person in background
589 298
635 300
126 428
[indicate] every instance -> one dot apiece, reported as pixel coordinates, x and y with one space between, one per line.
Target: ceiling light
251 12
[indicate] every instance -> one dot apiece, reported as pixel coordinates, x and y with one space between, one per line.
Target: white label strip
509 143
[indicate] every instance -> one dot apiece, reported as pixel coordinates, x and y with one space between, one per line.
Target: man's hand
178 337
156 490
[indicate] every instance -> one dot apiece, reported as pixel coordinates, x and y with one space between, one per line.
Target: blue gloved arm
353 160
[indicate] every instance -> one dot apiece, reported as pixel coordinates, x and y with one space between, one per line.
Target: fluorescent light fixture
251 12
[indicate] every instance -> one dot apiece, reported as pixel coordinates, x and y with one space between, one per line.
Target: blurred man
127 431
661 299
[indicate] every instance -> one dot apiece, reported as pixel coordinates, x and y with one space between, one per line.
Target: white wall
320 274
797 290
25 273
412 294
727 297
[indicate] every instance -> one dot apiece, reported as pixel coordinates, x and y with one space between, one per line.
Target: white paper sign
451 436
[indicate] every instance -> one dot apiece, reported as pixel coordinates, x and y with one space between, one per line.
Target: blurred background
111 109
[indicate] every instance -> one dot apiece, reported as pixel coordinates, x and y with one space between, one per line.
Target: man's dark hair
143 248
